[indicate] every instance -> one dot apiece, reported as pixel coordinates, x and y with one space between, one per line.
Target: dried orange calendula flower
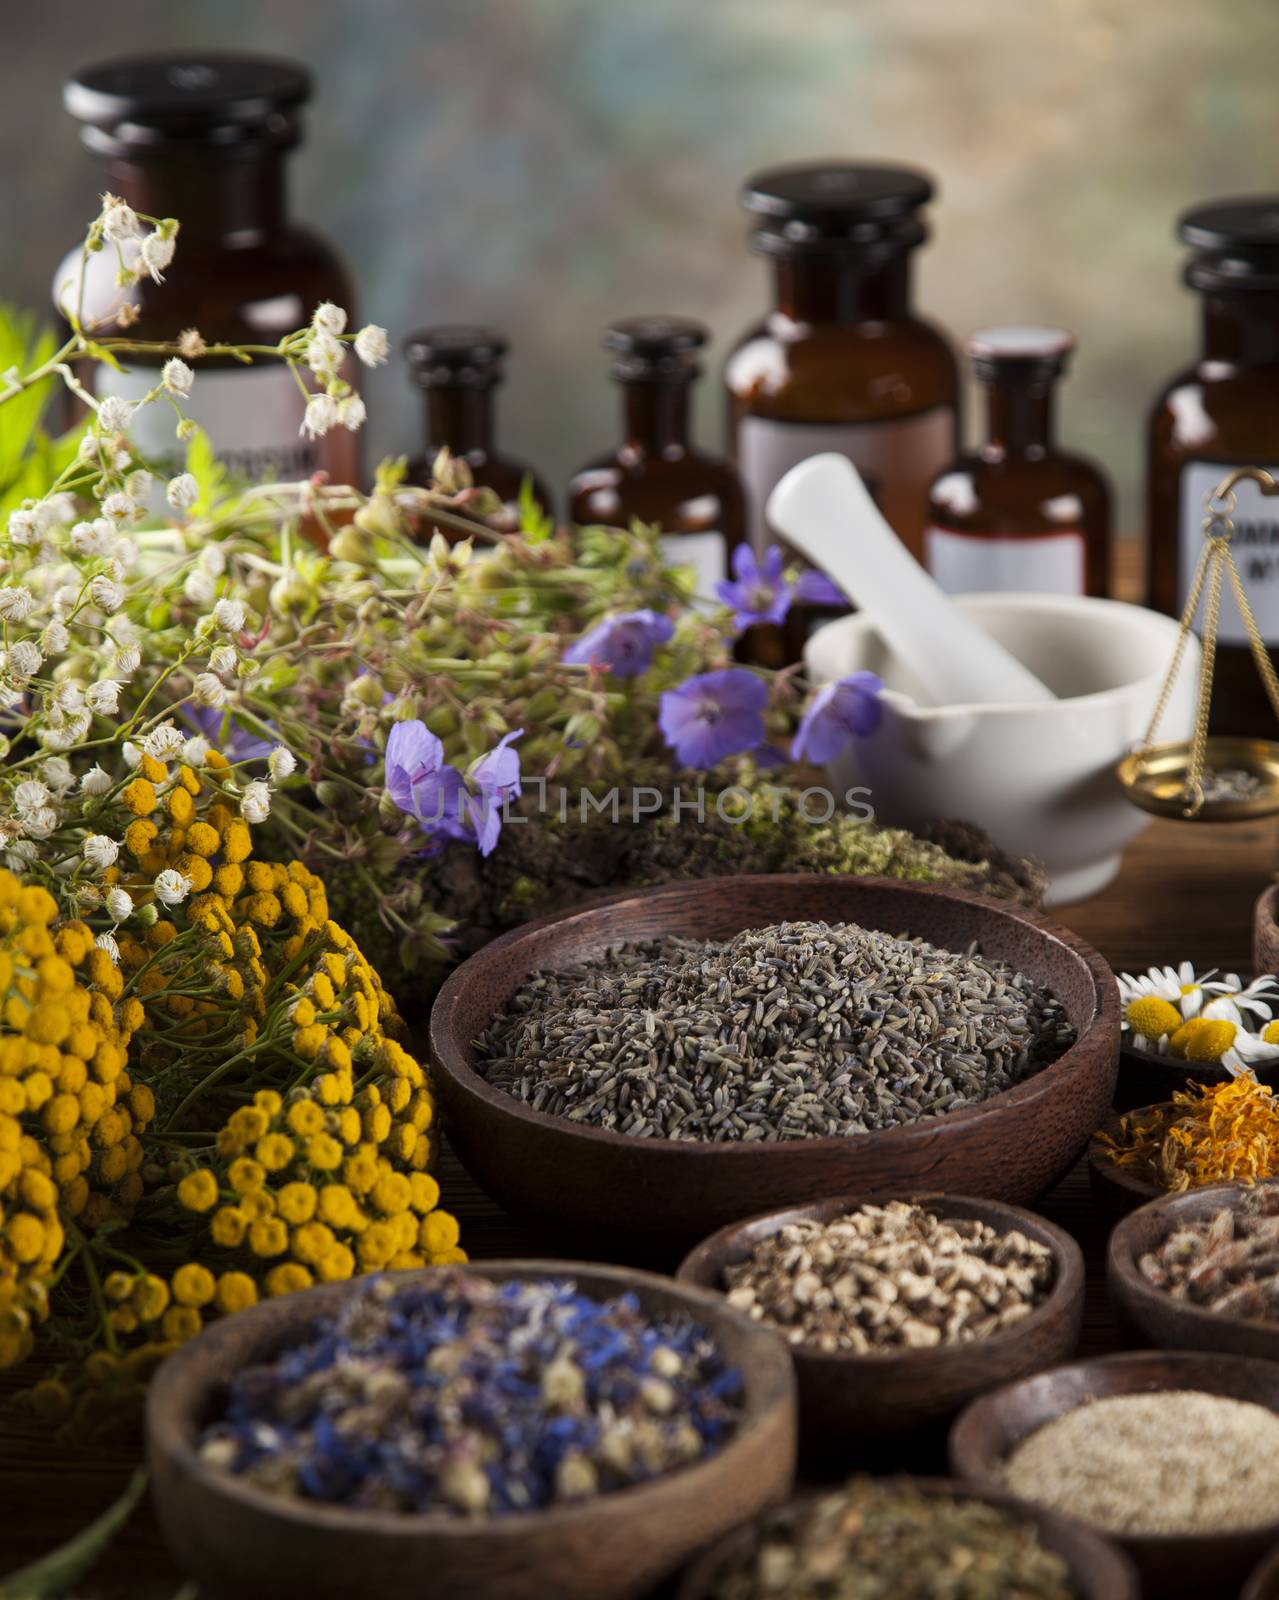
1210 1133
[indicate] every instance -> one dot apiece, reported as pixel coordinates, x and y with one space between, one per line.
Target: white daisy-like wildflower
119 221
255 802
25 659
40 824
68 698
352 414
115 413
155 255
29 796
195 752
132 755
164 742
16 603
223 659
199 587
57 773
321 415
23 526
372 345
182 492
207 689
280 763
55 638
229 615
88 896
323 354
95 538
1180 986
171 887
120 507
177 377
106 594
119 904
140 485
103 697
58 510
100 851
107 942
96 781
329 318
127 660
212 559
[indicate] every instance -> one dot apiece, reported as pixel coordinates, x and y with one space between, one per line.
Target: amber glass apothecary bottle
656 474
459 369
205 138
1019 513
841 361
1223 411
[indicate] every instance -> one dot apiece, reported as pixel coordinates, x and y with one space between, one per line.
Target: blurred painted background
549 164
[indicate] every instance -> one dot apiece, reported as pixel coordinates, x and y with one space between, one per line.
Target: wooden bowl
848 1398
1011 1147
1116 1190
1171 1565
1099 1568
240 1541
1265 932
1177 1324
1146 1079
1264 1582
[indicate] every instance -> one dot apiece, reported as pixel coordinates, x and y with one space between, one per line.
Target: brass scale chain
1214 563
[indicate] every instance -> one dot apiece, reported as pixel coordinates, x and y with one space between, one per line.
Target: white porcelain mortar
1039 779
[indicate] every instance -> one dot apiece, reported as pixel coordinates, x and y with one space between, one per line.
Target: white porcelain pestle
822 508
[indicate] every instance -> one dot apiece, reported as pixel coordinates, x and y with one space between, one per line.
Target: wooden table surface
1185 891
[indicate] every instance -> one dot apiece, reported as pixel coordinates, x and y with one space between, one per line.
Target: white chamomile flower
321 415
164 742
155 255
329 318
120 507
119 905
115 414
230 615
177 377
255 802
207 689
171 887
96 781
25 659
1178 985
182 492
29 796
103 697
16 604
100 851
372 345
280 763
323 354
1246 1049
107 942
351 413
106 593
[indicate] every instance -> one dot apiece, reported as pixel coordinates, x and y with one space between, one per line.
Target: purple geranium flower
838 712
714 715
420 782
813 588
624 644
221 729
497 776
759 593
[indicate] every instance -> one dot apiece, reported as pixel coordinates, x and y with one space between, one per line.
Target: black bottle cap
459 355
1026 353
166 102
655 347
837 205
1236 243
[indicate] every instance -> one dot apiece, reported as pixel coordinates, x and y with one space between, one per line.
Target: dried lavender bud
800 1030
1169 1462
466 1397
890 1277
886 1541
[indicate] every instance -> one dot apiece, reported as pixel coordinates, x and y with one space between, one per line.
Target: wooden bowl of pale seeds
590 1031
899 1312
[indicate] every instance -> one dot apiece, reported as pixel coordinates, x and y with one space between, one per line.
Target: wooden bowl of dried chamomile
1200 1270
1174 1454
899 1312
316 1447
662 1063
931 1531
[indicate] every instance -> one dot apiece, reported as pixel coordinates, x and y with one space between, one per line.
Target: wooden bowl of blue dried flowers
509 1430
666 1062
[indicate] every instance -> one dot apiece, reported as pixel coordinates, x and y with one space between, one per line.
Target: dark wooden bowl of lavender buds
1184 1566
1099 1570
239 1540
849 1399
1187 1275
1011 1146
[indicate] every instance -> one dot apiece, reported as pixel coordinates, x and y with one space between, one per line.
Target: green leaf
209 473
535 524
99 352
58 1572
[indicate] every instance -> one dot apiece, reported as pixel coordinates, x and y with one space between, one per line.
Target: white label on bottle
1255 547
897 460
1027 563
706 553
252 418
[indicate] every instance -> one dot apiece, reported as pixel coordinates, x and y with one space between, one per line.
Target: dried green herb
887 1541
